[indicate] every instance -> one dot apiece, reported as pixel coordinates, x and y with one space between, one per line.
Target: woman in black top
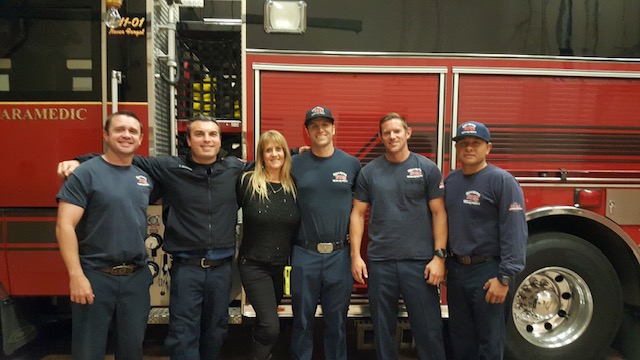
270 223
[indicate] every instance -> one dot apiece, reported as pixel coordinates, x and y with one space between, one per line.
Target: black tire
626 341
573 276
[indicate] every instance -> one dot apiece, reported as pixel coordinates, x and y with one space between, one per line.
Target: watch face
505 280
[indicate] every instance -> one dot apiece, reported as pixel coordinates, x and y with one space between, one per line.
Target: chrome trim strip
545 72
573 182
441 55
245 74
256 109
441 121
223 22
454 120
569 210
591 185
356 310
351 68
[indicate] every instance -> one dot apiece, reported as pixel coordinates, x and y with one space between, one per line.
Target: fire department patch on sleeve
515 207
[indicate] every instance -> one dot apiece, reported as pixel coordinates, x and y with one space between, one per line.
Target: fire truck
557 83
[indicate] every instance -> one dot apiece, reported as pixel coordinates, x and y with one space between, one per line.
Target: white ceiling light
285 16
112 16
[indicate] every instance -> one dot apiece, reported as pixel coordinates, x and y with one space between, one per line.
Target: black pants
198 311
477 328
263 284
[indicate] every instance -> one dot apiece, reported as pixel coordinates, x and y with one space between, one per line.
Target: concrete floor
53 343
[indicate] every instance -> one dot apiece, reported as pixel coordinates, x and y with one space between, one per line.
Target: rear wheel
568 301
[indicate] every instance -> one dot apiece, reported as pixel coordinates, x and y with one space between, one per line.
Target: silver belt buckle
121 270
203 264
325 248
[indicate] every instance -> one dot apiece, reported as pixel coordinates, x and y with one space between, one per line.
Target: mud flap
16 330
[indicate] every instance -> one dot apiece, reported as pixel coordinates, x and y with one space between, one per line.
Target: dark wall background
602 28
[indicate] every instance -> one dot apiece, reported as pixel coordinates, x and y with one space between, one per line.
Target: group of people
307 210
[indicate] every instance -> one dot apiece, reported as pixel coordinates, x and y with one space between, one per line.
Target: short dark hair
392 115
107 122
200 117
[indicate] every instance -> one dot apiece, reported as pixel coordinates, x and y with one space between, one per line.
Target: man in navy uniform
487 239
101 226
325 177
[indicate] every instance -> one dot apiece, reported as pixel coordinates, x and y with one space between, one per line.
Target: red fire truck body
567 130
566 127
35 137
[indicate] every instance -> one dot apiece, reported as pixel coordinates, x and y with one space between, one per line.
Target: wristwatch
505 280
442 253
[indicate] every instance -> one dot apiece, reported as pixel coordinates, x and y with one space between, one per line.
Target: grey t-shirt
400 225
114 223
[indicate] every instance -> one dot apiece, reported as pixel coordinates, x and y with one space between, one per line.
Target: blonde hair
259 177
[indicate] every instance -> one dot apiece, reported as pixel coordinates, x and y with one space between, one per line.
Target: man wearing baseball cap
325 178
487 241
318 112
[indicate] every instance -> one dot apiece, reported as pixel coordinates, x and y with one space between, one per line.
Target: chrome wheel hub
552 307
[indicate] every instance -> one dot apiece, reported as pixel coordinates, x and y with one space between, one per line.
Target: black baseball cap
474 129
318 112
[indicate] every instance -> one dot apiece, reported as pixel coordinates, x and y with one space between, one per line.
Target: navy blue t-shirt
114 224
400 224
486 217
325 195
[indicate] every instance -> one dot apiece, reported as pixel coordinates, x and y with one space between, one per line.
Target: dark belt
201 262
325 247
474 259
120 270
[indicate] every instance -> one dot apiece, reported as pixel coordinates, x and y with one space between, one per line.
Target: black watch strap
505 280
442 253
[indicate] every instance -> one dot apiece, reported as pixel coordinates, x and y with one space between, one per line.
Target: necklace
274 190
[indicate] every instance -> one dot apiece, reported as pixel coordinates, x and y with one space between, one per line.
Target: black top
269 227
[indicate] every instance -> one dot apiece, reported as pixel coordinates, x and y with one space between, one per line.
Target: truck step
160 315
364 330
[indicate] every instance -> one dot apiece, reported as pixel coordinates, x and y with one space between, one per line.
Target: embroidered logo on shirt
142 180
414 173
184 167
472 198
340 177
515 207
